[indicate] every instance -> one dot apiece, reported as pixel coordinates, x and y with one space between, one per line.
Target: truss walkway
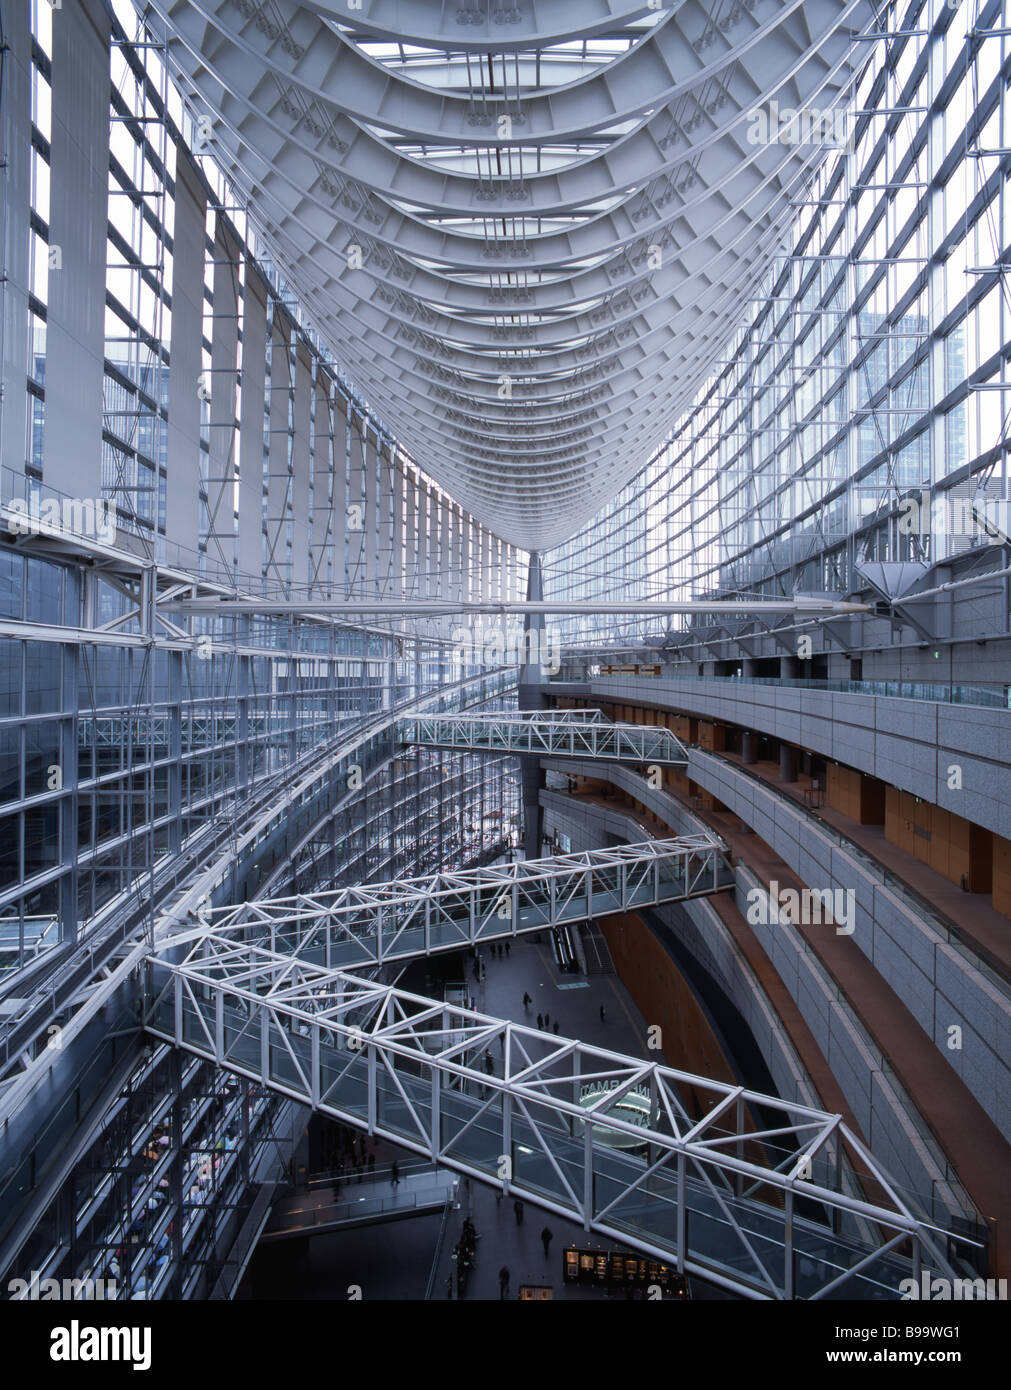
770 1199
372 924
421 1189
566 735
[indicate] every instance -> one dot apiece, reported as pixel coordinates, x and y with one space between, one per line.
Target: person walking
603 1015
507 948
518 1209
547 1021
546 1235
503 1281
527 1001
540 1021
555 1025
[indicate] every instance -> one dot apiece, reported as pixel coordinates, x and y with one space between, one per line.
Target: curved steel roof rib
480 27
558 209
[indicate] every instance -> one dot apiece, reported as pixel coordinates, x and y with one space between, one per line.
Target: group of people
543 1020
464 1253
347 1156
343 1148
501 949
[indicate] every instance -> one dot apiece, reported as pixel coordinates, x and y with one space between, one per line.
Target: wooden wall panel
664 997
947 843
712 736
842 791
1002 875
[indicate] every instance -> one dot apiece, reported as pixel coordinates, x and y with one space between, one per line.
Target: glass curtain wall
860 413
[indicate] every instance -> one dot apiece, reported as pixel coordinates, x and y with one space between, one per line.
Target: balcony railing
990 697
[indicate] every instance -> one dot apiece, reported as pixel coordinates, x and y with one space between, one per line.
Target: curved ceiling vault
558 209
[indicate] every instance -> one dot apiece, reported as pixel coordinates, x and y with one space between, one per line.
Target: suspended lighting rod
436 608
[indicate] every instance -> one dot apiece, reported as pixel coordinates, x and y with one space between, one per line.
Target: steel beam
434 608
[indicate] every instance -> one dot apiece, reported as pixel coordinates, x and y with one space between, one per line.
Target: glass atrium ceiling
527 230
551 66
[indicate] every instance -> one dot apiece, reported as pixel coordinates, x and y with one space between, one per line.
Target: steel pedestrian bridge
569 735
771 1199
369 925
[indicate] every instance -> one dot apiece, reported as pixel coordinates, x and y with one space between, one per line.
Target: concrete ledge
882 1108
942 985
910 744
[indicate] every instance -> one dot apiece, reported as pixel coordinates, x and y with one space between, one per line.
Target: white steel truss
558 737
772 1199
223 605
531 238
372 924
